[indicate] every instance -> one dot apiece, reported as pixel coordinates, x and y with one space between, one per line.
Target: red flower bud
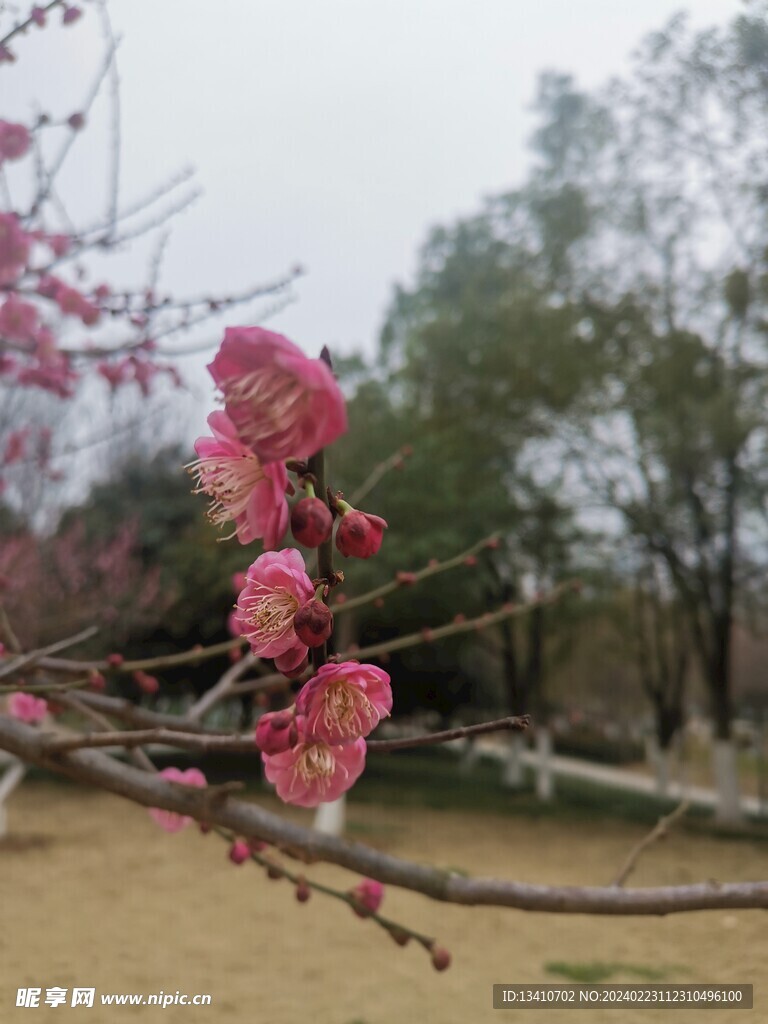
303 892
96 681
276 732
146 682
115 660
311 522
313 623
360 534
239 852
405 579
441 958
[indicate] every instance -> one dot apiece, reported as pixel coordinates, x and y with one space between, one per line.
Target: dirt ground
93 894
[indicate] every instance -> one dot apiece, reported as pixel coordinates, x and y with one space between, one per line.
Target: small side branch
659 831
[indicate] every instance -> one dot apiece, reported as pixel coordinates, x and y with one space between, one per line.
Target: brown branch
243 743
513 724
139 757
416 577
508 611
190 657
393 462
222 689
659 831
202 742
249 820
37 656
24 25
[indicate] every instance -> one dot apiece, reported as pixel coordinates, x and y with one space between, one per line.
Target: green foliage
595 971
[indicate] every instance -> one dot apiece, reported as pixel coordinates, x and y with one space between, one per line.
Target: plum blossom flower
283 404
170 820
346 701
313 772
244 491
276 586
27 708
14 141
14 248
18 319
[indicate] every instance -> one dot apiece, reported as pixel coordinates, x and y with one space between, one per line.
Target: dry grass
93 894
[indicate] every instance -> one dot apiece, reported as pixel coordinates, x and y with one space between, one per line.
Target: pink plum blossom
18 319
276 585
283 405
170 820
346 701
14 248
27 708
313 772
15 447
14 141
244 491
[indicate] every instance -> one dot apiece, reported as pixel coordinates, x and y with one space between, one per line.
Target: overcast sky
330 133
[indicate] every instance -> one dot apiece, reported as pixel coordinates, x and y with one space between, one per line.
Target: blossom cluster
280 409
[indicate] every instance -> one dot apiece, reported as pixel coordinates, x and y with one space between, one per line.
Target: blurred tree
649 208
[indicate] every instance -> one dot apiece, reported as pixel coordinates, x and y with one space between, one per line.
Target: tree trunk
545 780
724 763
331 817
12 777
726 772
513 772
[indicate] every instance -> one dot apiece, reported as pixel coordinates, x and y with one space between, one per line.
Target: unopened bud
359 534
303 892
96 681
311 522
441 958
145 682
239 852
276 732
313 623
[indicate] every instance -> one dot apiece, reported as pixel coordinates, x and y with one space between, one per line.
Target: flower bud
313 623
359 533
96 681
239 852
276 732
115 660
146 682
303 892
311 522
367 896
441 958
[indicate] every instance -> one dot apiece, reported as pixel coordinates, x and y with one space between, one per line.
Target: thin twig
659 831
512 724
421 574
42 652
393 462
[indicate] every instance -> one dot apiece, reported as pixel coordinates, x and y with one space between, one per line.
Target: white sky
330 133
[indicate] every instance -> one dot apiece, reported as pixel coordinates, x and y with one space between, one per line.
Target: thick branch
249 820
